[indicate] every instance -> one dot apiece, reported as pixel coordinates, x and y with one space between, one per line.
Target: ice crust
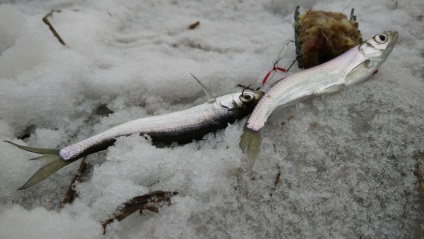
344 162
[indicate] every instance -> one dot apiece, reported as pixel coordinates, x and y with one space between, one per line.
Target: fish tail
50 163
251 141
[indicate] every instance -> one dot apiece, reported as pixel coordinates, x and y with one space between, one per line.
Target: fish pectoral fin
49 164
357 74
331 89
211 98
251 142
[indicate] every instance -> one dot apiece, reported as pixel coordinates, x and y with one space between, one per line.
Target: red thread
269 72
280 69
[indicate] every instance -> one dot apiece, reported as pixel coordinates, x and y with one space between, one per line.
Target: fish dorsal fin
211 98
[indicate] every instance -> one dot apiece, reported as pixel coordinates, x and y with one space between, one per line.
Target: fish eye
381 38
246 97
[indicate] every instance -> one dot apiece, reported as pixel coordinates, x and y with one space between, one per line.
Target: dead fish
354 66
181 127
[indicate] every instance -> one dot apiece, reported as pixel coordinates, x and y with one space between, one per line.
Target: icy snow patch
334 166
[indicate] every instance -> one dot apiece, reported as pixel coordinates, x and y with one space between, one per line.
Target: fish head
244 100
378 48
372 53
249 99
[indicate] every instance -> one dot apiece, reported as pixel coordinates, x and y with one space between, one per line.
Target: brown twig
284 123
276 180
151 202
419 170
71 194
47 22
194 25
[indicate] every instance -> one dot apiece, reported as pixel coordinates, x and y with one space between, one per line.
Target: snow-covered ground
344 163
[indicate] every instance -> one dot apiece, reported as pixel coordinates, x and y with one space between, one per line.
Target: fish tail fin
251 141
50 163
34 150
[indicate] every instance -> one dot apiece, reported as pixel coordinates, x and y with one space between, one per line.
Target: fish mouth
395 36
259 94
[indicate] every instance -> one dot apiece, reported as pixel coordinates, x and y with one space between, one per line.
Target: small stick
151 201
47 22
194 25
419 170
71 194
277 177
276 180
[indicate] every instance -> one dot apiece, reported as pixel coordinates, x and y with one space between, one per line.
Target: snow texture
337 166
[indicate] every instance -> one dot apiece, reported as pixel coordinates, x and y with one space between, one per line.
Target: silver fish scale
207 118
313 81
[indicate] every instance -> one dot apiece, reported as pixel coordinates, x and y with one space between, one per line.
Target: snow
344 162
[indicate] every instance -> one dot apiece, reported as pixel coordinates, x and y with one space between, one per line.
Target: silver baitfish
354 66
181 127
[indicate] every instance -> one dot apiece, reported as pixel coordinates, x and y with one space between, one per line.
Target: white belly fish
181 127
354 66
